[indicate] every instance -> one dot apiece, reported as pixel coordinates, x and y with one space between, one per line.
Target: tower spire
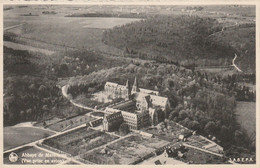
135 87
127 84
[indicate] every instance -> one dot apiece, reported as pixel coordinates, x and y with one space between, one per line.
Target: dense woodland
30 82
187 40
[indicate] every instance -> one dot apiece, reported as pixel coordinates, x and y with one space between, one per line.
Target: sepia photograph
129 84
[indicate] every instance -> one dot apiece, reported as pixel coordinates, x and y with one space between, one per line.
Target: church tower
135 87
127 94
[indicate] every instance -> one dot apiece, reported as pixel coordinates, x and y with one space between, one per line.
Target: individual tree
124 129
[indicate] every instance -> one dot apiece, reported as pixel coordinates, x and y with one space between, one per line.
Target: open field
246 116
80 141
16 136
83 33
125 151
37 156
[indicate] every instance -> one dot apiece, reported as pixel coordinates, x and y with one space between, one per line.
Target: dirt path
233 64
223 29
23 47
12 27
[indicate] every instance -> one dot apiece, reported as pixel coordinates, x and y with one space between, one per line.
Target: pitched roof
147 91
111 84
114 116
155 100
158 100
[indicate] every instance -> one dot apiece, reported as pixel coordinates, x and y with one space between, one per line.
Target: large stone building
113 121
117 91
142 107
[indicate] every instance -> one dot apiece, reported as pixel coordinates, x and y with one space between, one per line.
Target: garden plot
80 141
125 151
170 132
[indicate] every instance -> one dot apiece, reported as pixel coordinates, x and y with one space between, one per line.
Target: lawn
125 151
37 158
246 116
194 156
16 136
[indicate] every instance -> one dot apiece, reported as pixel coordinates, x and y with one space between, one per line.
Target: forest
30 90
187 40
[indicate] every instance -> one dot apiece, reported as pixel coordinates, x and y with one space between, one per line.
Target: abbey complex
140 108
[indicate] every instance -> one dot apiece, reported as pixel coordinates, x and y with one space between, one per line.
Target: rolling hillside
186 40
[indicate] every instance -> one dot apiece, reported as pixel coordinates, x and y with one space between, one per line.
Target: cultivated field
16 136
36 159
246 116
71 123
52 31
125 151
80 141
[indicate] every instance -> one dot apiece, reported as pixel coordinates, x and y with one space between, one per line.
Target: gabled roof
147 91
114 116
111 84
158 100
153 99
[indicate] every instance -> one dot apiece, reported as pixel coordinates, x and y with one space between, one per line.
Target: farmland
83 33
16 136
